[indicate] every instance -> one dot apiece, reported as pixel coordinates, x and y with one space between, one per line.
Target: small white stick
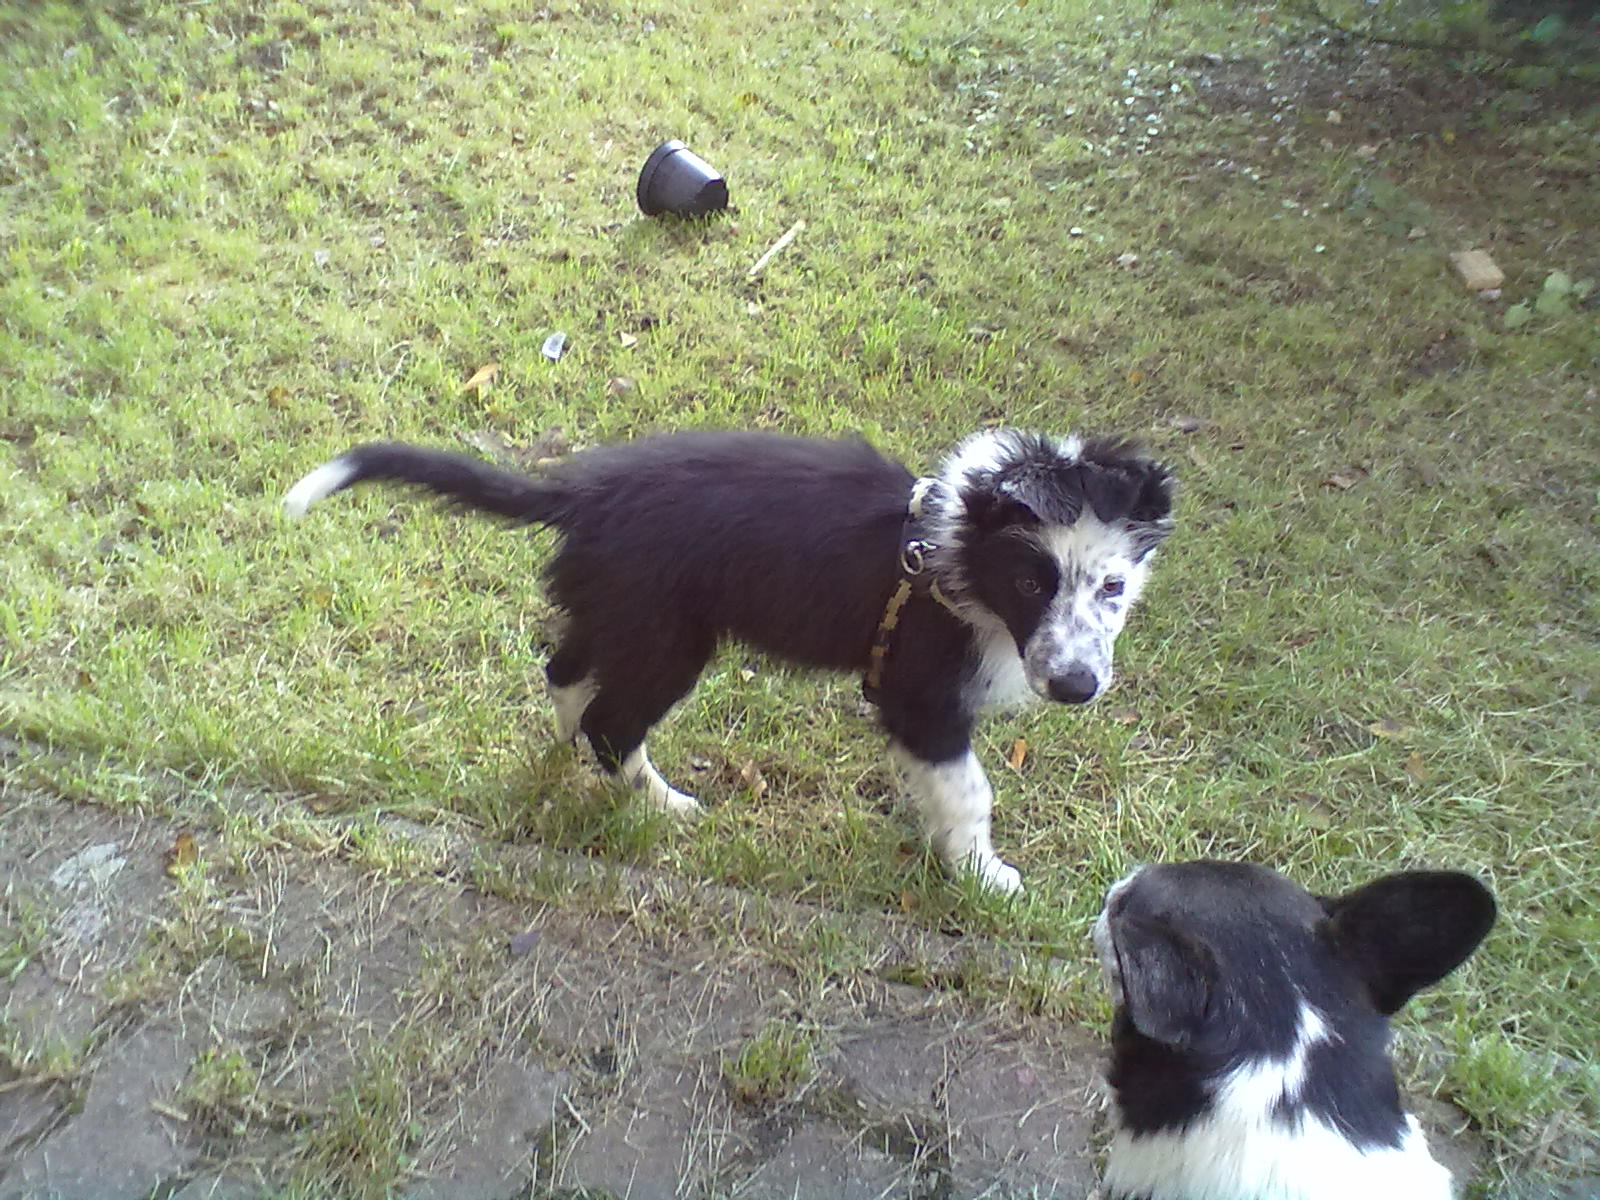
772 250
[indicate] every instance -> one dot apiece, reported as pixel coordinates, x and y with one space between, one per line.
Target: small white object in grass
1477 270
554 346
1489 295
1075 231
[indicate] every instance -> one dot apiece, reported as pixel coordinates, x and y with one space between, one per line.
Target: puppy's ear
1406 932
1120 482
1169 981
994 501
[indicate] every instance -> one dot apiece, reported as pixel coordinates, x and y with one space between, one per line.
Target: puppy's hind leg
572 687
955 800
631 698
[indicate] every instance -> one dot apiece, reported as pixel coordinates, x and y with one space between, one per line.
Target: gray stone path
518 1049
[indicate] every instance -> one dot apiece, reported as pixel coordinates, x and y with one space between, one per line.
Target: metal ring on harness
914 556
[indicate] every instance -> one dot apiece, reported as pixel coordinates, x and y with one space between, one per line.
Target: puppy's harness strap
913 561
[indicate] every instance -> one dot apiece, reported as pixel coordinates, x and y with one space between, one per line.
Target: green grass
771 1066
236 238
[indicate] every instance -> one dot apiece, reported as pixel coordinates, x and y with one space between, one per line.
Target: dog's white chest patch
1000 680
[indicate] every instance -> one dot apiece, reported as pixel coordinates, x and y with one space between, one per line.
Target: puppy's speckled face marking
1052 540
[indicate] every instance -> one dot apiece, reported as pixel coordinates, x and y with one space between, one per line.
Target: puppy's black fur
673 544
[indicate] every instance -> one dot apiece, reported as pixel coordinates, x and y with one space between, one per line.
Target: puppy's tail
457 477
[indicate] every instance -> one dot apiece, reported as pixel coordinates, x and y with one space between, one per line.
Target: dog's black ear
1169 981
1406 932
1122 483
995 500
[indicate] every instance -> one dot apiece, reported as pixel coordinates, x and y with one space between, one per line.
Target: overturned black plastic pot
677 180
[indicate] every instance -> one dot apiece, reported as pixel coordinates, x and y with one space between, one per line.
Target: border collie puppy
1249 1054
1006 577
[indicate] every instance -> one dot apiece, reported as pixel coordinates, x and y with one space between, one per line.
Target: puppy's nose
1076 686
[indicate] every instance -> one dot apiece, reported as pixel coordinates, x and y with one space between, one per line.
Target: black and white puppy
1027 554
1249 1054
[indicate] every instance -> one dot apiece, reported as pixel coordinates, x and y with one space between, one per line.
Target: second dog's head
1249 1047
1053 539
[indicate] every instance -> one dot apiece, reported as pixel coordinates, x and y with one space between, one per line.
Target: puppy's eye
1028 585
1112 586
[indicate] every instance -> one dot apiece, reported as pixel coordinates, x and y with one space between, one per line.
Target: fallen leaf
1341 481
620 385
322 804
184 853
628 340
1387 728
908 902
1126 716
278 396
1414 767
1018 755
481 378
753 778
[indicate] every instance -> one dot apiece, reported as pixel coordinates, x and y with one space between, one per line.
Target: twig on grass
776 247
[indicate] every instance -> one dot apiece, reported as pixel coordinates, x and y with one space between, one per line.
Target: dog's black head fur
1052 540
1244 1001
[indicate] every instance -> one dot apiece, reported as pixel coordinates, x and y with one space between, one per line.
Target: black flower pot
676 180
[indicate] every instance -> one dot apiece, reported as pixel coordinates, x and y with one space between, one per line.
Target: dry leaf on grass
754 779
184 853
1018 755
1387 728
481 378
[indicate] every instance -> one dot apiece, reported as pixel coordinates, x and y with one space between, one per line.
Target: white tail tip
324 481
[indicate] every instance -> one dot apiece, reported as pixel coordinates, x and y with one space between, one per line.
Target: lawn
236 238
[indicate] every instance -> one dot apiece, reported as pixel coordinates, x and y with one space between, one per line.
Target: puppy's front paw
676 804
996 876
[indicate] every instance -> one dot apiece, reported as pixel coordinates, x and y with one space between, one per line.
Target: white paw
673 802
996 876
666 799
643 778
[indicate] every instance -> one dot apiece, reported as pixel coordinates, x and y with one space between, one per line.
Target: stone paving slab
546 1051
